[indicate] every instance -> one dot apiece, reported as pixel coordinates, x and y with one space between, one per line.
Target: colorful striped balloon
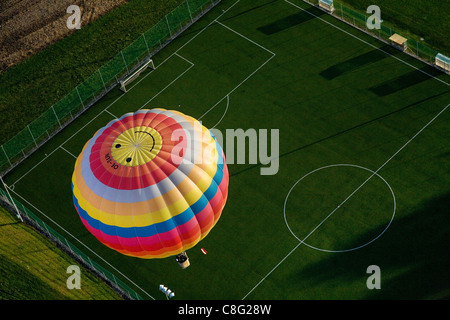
151 184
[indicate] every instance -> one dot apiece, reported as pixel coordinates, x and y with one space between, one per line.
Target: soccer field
363 173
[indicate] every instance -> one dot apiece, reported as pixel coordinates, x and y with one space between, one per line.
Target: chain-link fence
79 99
30 218
100 82
359 20
384 32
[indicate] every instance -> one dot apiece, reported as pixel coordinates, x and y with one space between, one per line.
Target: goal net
125 82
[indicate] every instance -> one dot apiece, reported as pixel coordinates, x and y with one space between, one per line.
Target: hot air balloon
151 184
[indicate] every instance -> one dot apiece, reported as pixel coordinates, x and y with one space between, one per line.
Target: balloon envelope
151 184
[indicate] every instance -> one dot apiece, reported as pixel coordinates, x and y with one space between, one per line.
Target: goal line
135 74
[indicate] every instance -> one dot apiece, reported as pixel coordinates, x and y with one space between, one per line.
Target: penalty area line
105 110
227 96
68 151
134 85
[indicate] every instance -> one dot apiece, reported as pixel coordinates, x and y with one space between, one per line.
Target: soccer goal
125 82
442 62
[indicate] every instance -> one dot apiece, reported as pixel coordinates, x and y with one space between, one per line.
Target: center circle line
330 166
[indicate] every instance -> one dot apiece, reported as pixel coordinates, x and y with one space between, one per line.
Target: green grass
335 100
428 19
46 77
33 268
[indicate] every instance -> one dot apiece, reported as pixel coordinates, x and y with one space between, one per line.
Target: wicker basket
183 260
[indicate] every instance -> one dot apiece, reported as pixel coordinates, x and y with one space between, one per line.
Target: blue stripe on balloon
159 227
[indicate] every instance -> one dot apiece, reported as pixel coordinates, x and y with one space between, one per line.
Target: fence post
101 77
6 155
28 126
56 117
189 9
168 27
44 225
12 200
114 279
79 96
68 245
146 44
123 58
90 262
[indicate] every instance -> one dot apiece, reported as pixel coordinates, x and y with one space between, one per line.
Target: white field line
76 239
335 209
369 44
225 112
46 156
172 82
61 147
190 62
375 172
110 113
96 116
68 151
243 81
112 103
240 34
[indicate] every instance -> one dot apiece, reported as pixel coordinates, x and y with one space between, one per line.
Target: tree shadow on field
413 256
405 81
9 224
358 62
339 133
291 21
250 10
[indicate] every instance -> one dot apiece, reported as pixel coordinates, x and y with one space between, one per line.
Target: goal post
130 78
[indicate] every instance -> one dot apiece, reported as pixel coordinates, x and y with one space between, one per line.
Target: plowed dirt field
27 26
